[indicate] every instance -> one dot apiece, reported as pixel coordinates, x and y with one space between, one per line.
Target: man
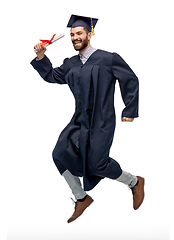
82 149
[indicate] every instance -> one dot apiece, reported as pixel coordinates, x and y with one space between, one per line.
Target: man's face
79 38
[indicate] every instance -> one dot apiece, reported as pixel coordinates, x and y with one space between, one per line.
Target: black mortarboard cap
80 21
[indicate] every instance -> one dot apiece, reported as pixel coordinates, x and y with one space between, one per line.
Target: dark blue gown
93 123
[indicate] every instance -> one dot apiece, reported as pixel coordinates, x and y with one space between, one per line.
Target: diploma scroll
52 40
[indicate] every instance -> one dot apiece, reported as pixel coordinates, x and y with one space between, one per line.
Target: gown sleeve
129 86
46 71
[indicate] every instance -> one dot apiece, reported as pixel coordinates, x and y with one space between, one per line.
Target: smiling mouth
77 42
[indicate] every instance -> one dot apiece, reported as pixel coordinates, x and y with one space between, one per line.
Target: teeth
77 42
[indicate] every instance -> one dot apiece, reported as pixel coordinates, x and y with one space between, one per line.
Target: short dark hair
86 30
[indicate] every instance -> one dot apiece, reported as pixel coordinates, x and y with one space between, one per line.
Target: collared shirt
87 54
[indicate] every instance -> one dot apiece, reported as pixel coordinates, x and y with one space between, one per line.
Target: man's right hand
41 49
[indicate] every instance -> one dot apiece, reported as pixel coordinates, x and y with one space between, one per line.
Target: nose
75 36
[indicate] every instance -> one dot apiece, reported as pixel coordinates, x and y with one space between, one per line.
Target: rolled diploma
54 40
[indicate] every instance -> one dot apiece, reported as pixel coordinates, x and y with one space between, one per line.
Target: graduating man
82 149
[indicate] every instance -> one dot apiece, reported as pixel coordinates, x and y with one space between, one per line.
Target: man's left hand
125 119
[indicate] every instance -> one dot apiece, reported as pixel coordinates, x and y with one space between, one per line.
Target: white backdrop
33 113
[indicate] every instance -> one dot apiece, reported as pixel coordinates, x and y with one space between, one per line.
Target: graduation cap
80 21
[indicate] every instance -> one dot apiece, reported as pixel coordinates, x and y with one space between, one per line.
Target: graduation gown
93 123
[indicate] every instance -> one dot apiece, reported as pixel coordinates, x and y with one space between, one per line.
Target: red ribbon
47 41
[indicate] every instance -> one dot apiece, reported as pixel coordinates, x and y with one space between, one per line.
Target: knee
57 153
96 167
58 164
53 155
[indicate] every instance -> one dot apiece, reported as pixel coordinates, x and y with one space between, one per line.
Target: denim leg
75 185
127 179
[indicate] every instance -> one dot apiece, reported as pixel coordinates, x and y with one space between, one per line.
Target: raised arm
40 50
44 67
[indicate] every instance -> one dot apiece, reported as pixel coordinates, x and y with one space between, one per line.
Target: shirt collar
87 53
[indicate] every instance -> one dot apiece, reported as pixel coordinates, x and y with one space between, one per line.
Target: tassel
92 28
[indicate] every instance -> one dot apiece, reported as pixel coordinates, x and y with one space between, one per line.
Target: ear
89 35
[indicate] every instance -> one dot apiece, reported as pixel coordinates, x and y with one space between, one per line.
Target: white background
33 113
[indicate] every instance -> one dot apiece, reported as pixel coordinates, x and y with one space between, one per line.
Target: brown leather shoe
80 207
138 193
